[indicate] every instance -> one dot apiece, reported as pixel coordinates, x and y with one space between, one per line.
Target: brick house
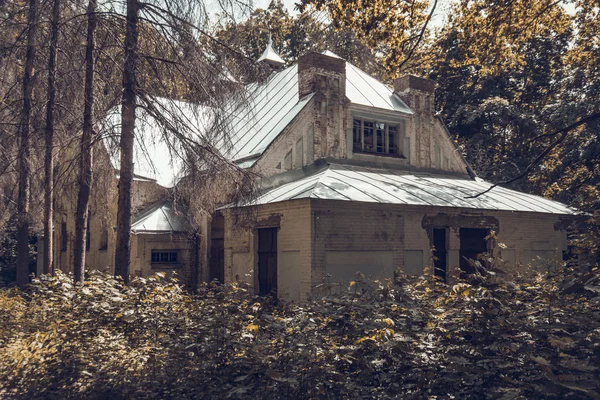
364 177
357 176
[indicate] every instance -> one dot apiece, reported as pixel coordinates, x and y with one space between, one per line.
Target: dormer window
376 137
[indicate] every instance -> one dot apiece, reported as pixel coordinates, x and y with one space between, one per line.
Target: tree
516 86
25 149
49 137
167 50
86 150
128 106
393 29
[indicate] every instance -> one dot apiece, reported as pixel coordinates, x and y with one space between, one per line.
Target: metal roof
363 89
253 123
159 218
371 185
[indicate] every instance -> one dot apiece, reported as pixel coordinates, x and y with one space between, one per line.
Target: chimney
418 93
325 76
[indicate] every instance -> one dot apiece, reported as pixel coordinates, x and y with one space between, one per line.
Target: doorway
472 243
217 249
440 262
267 261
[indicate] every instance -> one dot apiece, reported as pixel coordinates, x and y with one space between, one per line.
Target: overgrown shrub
485 337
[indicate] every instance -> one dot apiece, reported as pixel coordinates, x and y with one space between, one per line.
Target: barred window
164 257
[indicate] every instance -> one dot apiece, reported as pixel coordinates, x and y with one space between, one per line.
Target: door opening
267 261
472 243
217 249
440 262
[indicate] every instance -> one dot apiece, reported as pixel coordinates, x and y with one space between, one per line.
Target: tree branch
563 134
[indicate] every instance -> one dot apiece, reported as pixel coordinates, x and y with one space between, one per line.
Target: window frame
164 257
380 128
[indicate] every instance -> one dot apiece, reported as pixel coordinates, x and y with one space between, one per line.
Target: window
104 240
375 137
63 236
164 257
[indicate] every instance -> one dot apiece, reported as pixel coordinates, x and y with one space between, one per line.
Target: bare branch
563 134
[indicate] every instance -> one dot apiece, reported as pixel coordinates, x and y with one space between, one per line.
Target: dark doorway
267 261
217 249
472 243
440 263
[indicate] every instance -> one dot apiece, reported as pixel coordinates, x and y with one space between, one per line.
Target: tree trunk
25 150
194 275
86 157
128 105
49 160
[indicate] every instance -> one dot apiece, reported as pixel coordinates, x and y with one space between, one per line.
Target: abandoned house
357 176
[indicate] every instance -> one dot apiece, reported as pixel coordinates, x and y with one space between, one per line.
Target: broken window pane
380 138
368 136
393 140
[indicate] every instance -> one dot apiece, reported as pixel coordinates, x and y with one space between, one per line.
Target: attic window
375 137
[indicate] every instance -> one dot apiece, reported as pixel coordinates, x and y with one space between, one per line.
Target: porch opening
267 261
217 249
440 262
472 243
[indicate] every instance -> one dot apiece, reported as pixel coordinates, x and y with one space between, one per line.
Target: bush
484 337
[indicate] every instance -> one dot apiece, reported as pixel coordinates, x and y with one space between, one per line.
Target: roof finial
270 56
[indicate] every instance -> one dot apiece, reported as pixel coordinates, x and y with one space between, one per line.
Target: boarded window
413 262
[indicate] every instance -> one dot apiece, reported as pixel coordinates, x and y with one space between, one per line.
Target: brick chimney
418 93
325 76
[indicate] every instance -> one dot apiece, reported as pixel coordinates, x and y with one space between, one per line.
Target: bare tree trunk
128 105
86 158
25 150
194 276
49 160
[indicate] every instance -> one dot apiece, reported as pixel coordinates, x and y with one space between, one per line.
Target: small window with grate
164 257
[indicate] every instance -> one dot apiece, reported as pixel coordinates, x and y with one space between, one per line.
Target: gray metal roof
371 185
159 218
253 124
363 89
